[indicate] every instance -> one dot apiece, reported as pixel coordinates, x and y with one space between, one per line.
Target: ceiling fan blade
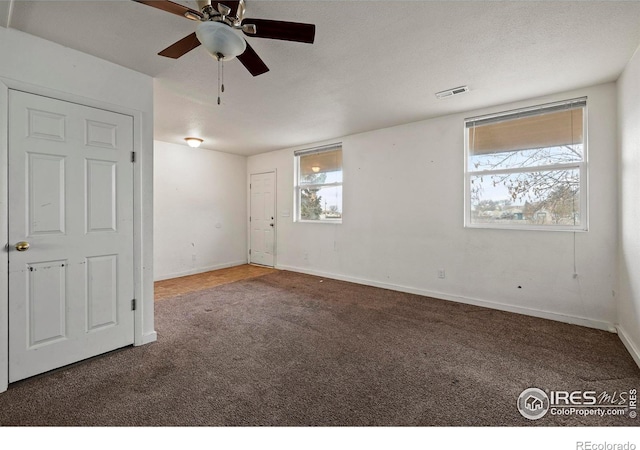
168 6
286 31
181 47
254 64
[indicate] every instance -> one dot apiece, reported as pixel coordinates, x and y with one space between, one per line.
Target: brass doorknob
22 246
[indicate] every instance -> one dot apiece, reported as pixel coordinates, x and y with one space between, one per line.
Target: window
319 184
526 169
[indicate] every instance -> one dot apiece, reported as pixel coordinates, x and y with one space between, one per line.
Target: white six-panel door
71 200
262 220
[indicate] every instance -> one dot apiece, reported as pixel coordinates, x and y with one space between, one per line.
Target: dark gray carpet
289 349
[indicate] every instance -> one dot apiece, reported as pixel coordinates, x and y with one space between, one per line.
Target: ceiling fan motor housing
220 40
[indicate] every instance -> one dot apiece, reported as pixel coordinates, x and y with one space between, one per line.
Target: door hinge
133 157
133 304
249 185
249 251
249 218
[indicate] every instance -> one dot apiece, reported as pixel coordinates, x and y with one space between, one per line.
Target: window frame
581 166
298 187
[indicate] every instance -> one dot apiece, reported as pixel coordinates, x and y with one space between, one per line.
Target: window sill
335 222
488 226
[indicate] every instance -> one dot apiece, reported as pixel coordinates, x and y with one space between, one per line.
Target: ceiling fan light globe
220 40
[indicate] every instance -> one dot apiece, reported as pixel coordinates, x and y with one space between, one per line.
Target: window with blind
319 184
526 169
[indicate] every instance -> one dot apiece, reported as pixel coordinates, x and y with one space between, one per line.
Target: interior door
70 233
262 219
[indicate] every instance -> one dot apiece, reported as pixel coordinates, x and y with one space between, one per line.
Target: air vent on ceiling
452 92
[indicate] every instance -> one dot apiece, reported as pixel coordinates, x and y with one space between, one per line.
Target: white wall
403 220
36 65
199 210
629 201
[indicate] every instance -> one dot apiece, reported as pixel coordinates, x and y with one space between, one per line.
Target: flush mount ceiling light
193 142
451 92
315 169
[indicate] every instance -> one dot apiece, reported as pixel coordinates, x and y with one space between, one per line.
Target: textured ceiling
374 64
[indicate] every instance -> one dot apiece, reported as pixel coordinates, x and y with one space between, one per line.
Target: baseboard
149 338
574 320
199 270
628 343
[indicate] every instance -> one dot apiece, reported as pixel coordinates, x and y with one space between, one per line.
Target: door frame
138 276
275 212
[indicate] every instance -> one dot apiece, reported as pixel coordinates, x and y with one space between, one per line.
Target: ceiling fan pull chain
219 64
222 85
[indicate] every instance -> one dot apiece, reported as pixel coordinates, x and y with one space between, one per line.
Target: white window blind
526 168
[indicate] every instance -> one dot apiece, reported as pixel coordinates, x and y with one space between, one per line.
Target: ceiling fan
217 31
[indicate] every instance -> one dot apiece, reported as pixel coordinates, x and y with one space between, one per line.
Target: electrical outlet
441 273
305 256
